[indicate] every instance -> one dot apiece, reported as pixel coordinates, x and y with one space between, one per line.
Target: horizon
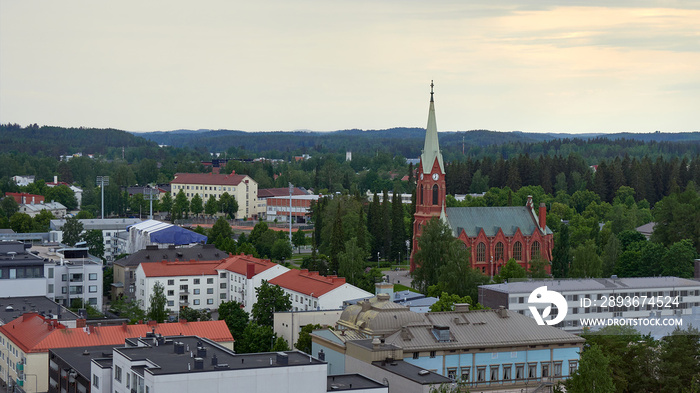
557 67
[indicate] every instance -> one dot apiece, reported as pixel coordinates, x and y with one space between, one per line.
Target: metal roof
593 284
490 219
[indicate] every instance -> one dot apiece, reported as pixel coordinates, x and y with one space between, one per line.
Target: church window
481 252
435 194
535 250
518 251
499 251
421 194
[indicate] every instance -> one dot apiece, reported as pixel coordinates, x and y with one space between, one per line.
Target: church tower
430 179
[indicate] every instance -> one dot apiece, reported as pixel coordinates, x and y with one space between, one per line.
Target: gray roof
13 307
479 329
98 223
199 252
593 284
412 372
351 382
490 219
80 358
377 316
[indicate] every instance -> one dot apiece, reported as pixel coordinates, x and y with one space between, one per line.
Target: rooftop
593 284
308 283
352 382
80 358
208 178
411 372
98 223
172 269
277 192
168 361
507 218
239 264
34 333
199 252
14 307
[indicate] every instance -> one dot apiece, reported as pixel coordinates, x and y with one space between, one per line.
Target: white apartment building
241 187
311 291
636 298
110 227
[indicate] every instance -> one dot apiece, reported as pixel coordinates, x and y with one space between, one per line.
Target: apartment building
110 227
241 187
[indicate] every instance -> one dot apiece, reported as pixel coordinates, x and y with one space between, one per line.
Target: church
493 235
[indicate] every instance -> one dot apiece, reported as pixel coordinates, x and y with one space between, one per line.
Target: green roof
508 218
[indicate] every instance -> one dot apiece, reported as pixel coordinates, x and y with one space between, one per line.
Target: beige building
241 187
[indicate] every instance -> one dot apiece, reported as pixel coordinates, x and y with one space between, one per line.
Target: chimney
179 347
321 356
250 270
461 307
198 364
55 179
529 202
214 360
80 323
282 359
543 216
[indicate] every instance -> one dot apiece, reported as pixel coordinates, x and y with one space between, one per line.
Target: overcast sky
541 66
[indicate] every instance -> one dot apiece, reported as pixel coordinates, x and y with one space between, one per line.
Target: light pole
103 181
150 196
291 191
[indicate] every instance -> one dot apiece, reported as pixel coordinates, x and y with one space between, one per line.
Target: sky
535 66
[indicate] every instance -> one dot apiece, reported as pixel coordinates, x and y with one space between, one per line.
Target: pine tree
374 219
593 375
398 229
386 225
337 243
561 254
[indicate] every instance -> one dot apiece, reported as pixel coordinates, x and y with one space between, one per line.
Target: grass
401 287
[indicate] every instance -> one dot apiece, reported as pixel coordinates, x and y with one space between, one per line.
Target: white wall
335 298
288 324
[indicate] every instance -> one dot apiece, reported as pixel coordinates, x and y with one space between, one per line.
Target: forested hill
57 141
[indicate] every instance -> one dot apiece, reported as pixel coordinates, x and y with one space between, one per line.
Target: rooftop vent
441 333
198 364
282 359
201 352
423 372
179 348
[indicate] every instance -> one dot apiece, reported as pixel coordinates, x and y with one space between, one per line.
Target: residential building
125 268
21 273
14 307
164 235
288 324
487 350
406 199
206 284
77 191
278 208
241 187
25 197
110 227
592 298
26 342
23 180
311 291
492 234
33 209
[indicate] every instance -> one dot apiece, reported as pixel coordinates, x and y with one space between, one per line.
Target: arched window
535 250
518 251
481 252
435 194
421 194
499 251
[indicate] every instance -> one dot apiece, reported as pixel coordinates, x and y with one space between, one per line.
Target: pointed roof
431 149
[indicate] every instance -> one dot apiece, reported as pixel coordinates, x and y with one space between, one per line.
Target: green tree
196 205
256 338
337 244
158 301
299 239
62 194
352 262
212 206
679 259
538 267
280 345
234 315
398 229
71 231
21 222
270 299
130 310
228 205
220 232
95 242
561 254
679 362
447 303
180 206
9 206
304 342
192 315
586 262
593 375
107 280
610 255
281 250
512 269
166 203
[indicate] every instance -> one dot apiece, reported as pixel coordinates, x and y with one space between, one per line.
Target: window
519 371
480 374
95 381
452 373
210 291
196 302
50 272
465 374
421 195
222 296
171 282
92 276
499 251
532 370
171 303
557 369
210 301
506 372
196 281
64 277
481 252
416 355
210 280
222 275
171 292
545 370
222 285
573 366
518 251
435 194
432 354
196 291
118 373
92 289
50 288
64 290
535 250
494 373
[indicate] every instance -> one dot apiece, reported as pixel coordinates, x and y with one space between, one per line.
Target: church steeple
431 148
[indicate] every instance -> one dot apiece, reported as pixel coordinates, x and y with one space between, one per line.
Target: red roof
170 269
308 283
32 333
239 264
276 192
208 179
23 197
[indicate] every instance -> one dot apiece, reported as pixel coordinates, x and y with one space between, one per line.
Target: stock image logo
542 296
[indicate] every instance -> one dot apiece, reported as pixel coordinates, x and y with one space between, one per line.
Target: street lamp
103 181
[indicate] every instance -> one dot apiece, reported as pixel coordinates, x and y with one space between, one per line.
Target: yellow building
241 187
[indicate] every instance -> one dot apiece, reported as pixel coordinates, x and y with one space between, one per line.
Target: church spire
431 149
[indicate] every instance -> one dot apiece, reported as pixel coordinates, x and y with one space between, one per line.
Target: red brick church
492 234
